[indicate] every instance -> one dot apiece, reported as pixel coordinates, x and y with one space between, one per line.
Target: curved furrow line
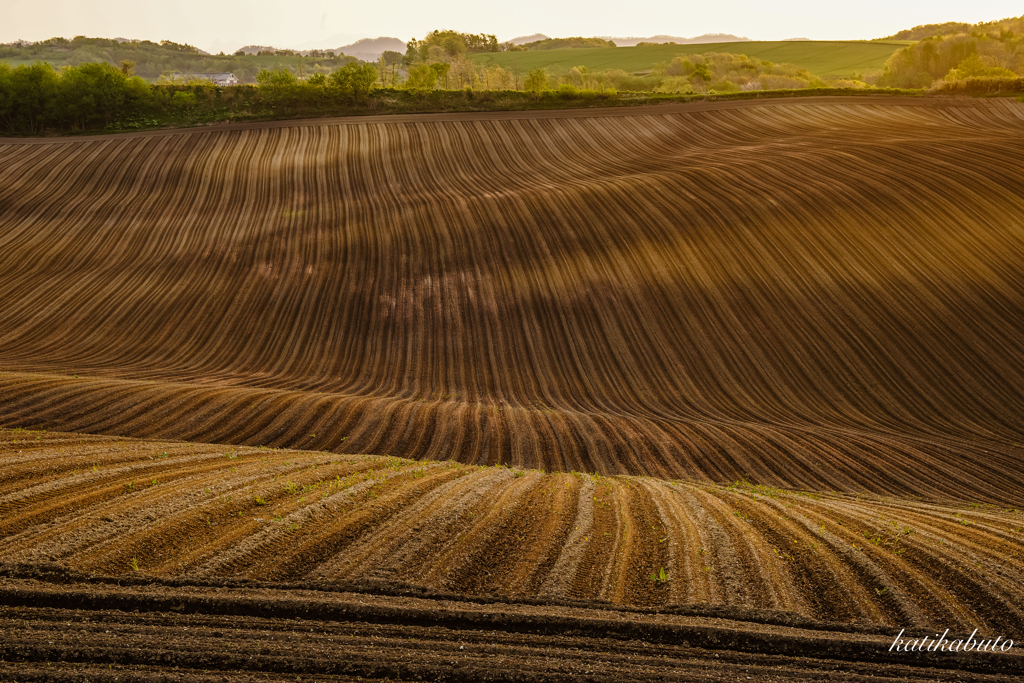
835 583
410 538
283 559
559 580
742 555
810 294
215 511
972 568
927 582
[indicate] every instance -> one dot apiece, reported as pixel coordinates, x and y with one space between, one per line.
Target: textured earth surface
722 391
122 507
58 626
806 294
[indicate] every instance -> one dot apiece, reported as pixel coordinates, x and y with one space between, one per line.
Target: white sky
228 24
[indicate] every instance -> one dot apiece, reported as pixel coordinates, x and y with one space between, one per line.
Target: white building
222 78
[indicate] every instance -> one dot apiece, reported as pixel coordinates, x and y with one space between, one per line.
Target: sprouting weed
660 577
134 564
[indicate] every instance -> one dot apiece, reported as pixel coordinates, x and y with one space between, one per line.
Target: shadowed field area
802 294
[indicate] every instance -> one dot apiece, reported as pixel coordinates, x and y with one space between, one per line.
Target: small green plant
134 564
881 591
520 473
260 500
130 487
660 577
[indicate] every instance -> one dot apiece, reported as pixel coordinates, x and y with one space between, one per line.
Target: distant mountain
529 39
790 40
706 38
327 43
369 49
253 49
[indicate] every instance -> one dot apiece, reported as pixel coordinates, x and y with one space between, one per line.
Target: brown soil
58 625
820 294
783 338
132 508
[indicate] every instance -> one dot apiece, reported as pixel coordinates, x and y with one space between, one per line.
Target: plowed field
56 626
723 391
202 512
805 294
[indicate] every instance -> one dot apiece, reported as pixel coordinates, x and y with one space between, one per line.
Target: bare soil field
58 626
805 294
213 513
725 391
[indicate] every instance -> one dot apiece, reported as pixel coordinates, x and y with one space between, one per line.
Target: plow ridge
265 514
661 394
556 292
232 633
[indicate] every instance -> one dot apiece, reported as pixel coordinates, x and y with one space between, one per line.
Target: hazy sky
228 24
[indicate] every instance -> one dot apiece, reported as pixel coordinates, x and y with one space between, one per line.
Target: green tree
421 77
975 67
536 80
701 74
33 94
6 97
353 79
441 70
277 86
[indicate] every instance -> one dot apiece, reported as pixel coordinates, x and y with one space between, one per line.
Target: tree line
154 59
37 97
994 55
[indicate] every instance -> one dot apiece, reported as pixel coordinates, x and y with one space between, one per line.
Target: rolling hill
822 58
817 294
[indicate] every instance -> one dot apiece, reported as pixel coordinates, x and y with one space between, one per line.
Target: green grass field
822 58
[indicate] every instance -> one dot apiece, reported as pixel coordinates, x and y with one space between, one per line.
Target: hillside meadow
827 59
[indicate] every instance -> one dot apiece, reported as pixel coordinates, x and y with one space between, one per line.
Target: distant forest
151 60
992 50
951 28
105 84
